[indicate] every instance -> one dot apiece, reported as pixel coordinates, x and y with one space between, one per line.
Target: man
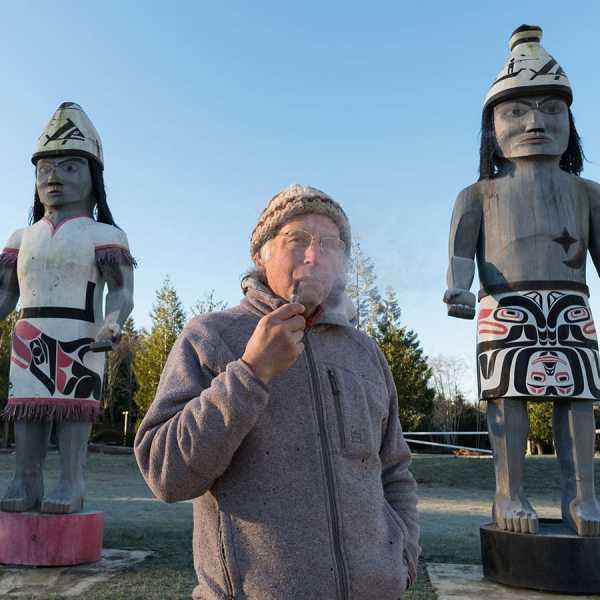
530 220
57 268
281 420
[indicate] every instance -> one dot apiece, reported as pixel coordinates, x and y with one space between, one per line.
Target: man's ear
259 262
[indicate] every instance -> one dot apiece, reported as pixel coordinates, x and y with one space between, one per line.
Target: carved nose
53 176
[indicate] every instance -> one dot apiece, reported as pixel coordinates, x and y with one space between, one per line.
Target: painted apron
537 344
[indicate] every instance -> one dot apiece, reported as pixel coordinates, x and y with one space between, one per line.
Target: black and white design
529 70
537 344
69 131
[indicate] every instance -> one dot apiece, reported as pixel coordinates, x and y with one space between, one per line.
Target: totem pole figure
56 269
530 221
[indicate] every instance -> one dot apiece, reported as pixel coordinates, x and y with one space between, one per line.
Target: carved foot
66 497
23 494
584 516
515 515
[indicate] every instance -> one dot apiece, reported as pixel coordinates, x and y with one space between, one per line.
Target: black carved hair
102 213
491 162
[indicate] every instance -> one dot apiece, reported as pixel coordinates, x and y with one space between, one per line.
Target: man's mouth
55 191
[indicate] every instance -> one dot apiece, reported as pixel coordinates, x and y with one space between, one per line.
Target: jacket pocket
231 575
357 409
403 531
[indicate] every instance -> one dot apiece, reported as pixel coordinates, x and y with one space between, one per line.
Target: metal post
126 413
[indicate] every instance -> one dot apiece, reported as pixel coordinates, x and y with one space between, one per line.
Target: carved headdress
529 70
69 131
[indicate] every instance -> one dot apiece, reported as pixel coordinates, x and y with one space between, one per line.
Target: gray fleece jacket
302 489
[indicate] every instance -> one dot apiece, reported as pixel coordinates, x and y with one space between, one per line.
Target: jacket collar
338 309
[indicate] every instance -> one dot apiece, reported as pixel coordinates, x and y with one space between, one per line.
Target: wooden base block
554 560
49 540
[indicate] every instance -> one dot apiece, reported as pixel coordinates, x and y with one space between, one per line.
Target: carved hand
461 303
110 331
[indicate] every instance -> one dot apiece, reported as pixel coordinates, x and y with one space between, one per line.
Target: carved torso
533 230
53 372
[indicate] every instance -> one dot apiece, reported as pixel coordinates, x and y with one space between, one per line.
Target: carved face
549 369
532 126
63 180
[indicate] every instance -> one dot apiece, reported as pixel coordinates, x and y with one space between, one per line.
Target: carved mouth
537 139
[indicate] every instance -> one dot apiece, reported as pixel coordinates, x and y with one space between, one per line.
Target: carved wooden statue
57 269
530 221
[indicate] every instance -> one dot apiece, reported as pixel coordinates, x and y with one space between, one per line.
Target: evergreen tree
408 365
540 426
168 319
6 329
120 380
362 288
208 304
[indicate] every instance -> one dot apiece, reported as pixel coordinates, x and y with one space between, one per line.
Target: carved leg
574 436
67 497
27 487
508 425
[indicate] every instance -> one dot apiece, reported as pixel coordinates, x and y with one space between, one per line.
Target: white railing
425 443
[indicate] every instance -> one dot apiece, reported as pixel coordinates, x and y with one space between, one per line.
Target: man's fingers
297 323
287 311
297 336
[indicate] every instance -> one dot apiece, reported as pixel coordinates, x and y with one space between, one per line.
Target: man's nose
311 254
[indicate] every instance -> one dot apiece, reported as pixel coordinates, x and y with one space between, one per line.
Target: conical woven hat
529 70
69 131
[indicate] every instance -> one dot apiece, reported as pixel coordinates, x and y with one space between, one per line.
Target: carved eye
574 315
512 315
562 377
538 377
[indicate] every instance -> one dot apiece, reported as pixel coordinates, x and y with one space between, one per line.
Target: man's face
292 256
63 180
532 126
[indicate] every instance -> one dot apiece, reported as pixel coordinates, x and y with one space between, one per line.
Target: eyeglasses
298 240
521 108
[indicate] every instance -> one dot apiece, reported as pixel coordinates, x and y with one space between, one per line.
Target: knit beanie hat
69 131
293 201
529 70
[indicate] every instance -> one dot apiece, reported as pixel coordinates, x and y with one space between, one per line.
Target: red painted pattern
589 329
111 247
56 227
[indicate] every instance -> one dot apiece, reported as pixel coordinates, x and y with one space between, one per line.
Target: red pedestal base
50 540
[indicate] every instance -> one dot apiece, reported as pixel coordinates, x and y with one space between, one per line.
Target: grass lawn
455 499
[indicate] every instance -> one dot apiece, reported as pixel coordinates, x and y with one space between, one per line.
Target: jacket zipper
228 583
338 407
335 525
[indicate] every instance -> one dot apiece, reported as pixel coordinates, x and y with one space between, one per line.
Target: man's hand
276 342
461 303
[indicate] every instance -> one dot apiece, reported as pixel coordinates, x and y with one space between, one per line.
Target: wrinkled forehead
313 223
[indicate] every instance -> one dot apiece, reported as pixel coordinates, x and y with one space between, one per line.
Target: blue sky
206 111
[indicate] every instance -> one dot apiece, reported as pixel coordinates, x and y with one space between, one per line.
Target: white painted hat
529 70
69 131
